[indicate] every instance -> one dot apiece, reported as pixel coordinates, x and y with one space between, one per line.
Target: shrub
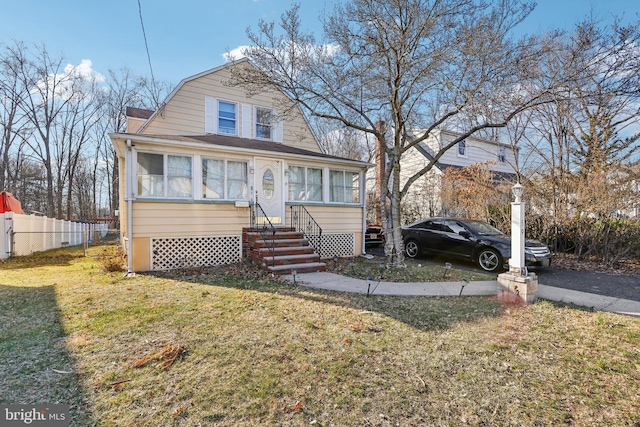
113 261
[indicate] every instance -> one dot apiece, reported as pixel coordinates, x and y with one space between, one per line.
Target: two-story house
424 198
194 172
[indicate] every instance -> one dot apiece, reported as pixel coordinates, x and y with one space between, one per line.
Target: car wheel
489 260
412 248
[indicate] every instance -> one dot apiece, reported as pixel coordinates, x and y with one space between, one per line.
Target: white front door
269 189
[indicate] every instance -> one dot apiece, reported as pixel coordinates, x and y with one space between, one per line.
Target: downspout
129 192
363 201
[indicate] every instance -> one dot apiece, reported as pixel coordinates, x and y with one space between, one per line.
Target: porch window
344 186
237 180
163 175
179 176
227 118
305 184
264 122
224 179
150 175
213 179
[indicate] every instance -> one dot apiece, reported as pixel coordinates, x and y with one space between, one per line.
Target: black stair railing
301 220
260 222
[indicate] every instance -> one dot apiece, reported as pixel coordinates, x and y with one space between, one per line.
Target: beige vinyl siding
334 219
184 114
337 220
134 124
166 219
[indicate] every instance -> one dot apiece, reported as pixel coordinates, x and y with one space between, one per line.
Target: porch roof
241 144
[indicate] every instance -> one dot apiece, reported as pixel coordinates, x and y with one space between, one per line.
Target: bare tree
73 135
345 142
414 64
45 79
12 93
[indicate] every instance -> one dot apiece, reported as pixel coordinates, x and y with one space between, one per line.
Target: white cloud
84 69
66 83
234 54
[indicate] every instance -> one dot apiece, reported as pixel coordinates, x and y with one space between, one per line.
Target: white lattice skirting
170 253
335 244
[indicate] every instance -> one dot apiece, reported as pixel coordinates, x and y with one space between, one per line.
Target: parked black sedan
468 239
374 235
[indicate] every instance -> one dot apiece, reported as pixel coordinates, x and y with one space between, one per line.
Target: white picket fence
26 234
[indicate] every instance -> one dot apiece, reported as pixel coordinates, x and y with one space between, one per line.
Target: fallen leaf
295 408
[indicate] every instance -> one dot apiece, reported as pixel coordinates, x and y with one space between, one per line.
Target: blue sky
189 36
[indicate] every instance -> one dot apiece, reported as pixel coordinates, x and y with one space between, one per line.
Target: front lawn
232 347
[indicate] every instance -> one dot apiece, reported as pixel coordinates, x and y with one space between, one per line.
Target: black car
468 239
374 235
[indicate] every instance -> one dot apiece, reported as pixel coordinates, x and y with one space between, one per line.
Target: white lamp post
518 283
517 261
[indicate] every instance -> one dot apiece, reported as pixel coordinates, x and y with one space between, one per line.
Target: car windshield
483 229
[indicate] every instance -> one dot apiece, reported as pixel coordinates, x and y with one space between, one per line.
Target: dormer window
227 118
462 148
264 123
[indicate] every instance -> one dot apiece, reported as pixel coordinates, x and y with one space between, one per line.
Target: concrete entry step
309 267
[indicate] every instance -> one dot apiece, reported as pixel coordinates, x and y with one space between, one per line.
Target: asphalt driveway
611 285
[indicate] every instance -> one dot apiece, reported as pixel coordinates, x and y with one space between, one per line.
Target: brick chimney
381 160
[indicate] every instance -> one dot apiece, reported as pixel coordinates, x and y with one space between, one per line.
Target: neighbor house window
305 184
264 123
462 148
227 115
224 179
162 175
502 154
344 186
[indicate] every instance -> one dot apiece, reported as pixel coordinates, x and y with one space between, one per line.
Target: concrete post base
524 287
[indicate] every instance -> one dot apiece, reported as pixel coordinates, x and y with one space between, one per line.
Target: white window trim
306 183
225 188
466 149
254 128
344 172
165 176
277 130
235 104
212 116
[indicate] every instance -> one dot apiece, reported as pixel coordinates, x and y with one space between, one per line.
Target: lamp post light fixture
369 279
517 191
294 272
447 267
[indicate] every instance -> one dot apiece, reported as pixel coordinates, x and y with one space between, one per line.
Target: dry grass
414 271
255 351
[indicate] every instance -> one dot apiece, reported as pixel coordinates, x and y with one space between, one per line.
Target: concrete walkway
335 282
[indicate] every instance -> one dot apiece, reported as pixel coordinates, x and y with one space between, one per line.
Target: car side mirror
465 234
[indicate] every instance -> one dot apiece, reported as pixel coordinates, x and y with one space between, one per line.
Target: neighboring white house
423 199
